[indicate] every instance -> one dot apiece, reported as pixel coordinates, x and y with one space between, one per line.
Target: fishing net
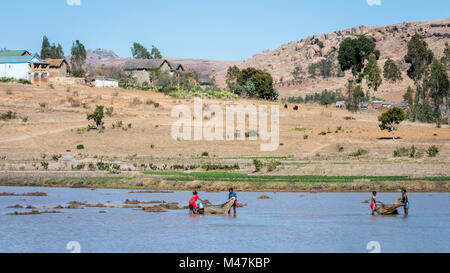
219 209
383 209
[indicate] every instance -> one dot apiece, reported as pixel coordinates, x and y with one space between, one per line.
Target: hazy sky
210 29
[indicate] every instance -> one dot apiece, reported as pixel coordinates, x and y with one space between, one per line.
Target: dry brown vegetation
47 141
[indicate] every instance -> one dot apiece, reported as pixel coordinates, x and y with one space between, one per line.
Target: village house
58 67
376 104
27 67
14 53
205 82
139 68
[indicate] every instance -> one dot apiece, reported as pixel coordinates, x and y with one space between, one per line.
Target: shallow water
289 222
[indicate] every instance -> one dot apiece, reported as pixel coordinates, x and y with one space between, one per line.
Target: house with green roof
14 53
27 67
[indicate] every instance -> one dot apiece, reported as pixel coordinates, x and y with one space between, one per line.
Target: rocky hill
289 64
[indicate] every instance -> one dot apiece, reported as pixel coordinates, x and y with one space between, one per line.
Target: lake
289 222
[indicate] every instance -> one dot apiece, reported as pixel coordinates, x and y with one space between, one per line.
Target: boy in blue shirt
232 194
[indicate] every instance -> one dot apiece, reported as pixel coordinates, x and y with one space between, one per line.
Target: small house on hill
14 53
139 68
58 67
25 67
205 82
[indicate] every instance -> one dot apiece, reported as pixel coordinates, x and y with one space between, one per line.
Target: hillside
297 56
99 56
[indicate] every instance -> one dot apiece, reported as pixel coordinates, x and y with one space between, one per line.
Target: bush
360 152
432 151
44 164
272 165
8 115
22 81
258 165
109 111
80 147
205 154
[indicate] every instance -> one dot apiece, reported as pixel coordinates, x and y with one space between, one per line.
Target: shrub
56 157
205 154
401 152
272 165
8 115
432 151
305 136
360 152
80 147
109 111
44 165
258 165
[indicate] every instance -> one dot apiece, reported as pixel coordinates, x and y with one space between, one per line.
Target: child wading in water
193 208
373 202
405 201
232 194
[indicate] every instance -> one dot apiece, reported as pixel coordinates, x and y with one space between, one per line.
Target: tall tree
78 58
419 56
408 96
56 52
353 96
445 60
232 77
391 72
438 85
155 54
46 48
372 73
353 53
140 52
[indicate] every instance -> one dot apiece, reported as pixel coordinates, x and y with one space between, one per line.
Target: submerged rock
264 197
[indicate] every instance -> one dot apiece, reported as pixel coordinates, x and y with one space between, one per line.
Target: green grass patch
100 178
239 177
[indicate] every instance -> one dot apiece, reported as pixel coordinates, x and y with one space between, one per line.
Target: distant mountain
98 57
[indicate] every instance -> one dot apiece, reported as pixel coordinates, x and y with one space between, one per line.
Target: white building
106 83
24 67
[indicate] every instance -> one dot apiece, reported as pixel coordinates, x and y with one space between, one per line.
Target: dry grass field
51 121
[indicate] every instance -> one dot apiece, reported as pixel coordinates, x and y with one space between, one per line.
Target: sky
207 29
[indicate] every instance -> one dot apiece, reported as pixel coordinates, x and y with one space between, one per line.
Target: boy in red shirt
193 208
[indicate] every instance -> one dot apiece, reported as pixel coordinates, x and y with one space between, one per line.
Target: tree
232 77
408 96
78 59
97 115
445 60
438 85
140 52
248 89
353 53
419 56
56 52
391 72
372 73
51 51
390 119
155 54
262 80
353 97
326 68
46 48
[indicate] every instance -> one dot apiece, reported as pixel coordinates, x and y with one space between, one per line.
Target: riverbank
221 181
